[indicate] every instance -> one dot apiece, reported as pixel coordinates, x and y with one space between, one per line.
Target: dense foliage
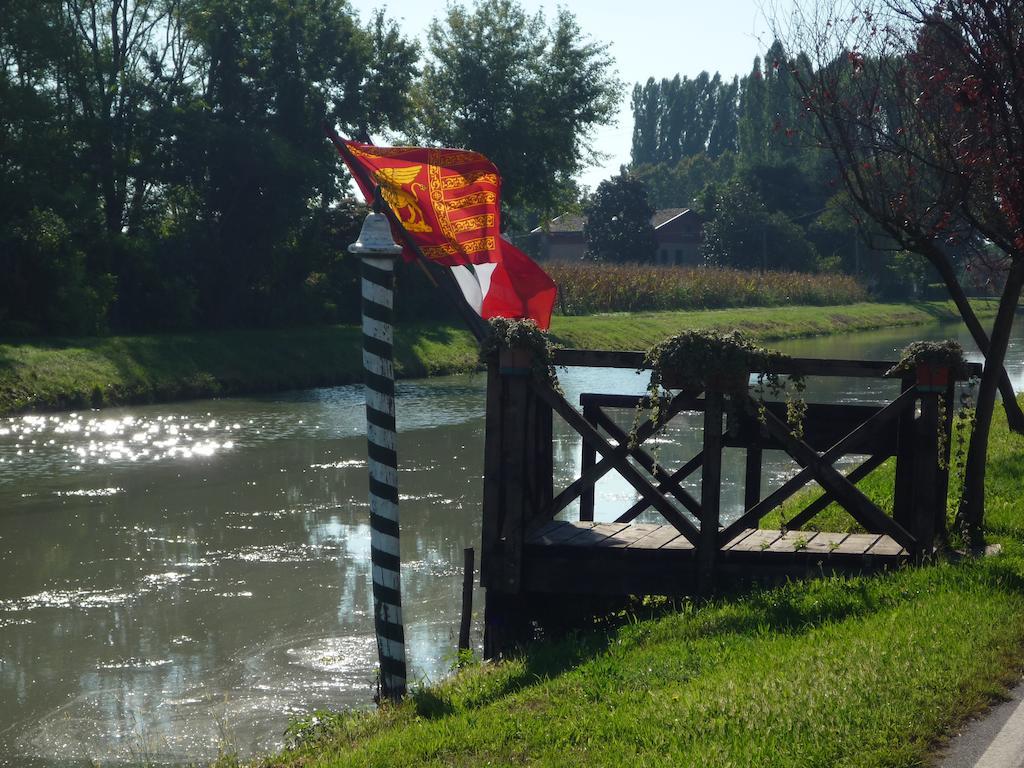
745 155
618 224
163 164
588 288
524 91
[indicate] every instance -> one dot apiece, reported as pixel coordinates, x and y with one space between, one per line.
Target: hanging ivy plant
699 360
963 426
505 333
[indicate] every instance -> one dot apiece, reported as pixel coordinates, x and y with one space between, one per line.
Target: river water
178 580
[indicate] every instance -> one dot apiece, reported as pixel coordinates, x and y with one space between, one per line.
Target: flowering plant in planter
520 343
933 362
700 360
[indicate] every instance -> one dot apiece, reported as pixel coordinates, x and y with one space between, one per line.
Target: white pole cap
375 238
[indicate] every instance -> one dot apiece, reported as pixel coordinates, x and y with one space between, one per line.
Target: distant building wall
679 240
677 232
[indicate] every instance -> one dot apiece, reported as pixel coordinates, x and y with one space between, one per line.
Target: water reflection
179 579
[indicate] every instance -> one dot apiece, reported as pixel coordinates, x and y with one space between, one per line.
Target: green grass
77 373
862 671
644 329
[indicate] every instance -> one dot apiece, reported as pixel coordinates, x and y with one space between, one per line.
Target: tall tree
752 127
921 106
646 112
723 135
169 153
525 92
272 72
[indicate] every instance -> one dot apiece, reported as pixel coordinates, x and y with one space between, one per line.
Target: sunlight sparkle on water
82 440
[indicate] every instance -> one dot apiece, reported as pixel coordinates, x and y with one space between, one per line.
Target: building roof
665 215
573 222
567 222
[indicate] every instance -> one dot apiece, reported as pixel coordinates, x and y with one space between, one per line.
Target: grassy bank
77 373
837 672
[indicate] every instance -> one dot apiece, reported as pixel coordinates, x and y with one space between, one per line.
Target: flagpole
446 279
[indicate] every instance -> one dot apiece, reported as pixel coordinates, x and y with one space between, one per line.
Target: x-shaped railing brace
616 457
818 466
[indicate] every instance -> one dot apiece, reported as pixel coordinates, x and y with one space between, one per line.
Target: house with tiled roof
677 232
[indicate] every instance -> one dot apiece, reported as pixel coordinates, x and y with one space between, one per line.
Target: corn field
585 289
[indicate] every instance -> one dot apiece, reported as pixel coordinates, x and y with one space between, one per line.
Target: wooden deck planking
630 534
824 542
592 536
758 541
773 545
886 546
856 544
791 541
738 538
559 531
662 537
679 543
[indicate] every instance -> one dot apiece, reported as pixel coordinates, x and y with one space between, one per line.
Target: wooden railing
519 493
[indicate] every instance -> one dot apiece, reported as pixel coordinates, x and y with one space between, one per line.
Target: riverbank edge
859 671
75 373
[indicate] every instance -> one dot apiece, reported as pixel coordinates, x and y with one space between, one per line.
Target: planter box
935 377
515 362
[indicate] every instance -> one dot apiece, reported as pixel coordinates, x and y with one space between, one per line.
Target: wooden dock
566 557
533 551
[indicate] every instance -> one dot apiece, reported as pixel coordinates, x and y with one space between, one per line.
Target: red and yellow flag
448 201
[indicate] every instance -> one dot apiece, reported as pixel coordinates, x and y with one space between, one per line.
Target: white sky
655 38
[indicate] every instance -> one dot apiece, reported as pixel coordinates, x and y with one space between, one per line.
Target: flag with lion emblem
449 202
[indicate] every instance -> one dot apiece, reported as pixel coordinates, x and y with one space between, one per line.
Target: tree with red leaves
921 103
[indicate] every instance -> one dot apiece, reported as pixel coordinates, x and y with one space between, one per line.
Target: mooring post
467 598
378 251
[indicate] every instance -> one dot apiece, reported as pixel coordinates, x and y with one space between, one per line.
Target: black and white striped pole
378 251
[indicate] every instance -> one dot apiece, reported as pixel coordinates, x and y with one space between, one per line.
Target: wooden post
926 476
378 252
511 489
589 459
490 534
710 491
515 369
903 488
467 598
752 480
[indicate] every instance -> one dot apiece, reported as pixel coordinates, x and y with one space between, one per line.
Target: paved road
994 741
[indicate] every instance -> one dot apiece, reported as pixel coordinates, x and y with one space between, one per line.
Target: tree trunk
971 513
1014 415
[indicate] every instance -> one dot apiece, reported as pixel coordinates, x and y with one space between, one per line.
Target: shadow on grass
794 608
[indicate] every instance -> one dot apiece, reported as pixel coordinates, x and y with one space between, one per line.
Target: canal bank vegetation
59 373
864 671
